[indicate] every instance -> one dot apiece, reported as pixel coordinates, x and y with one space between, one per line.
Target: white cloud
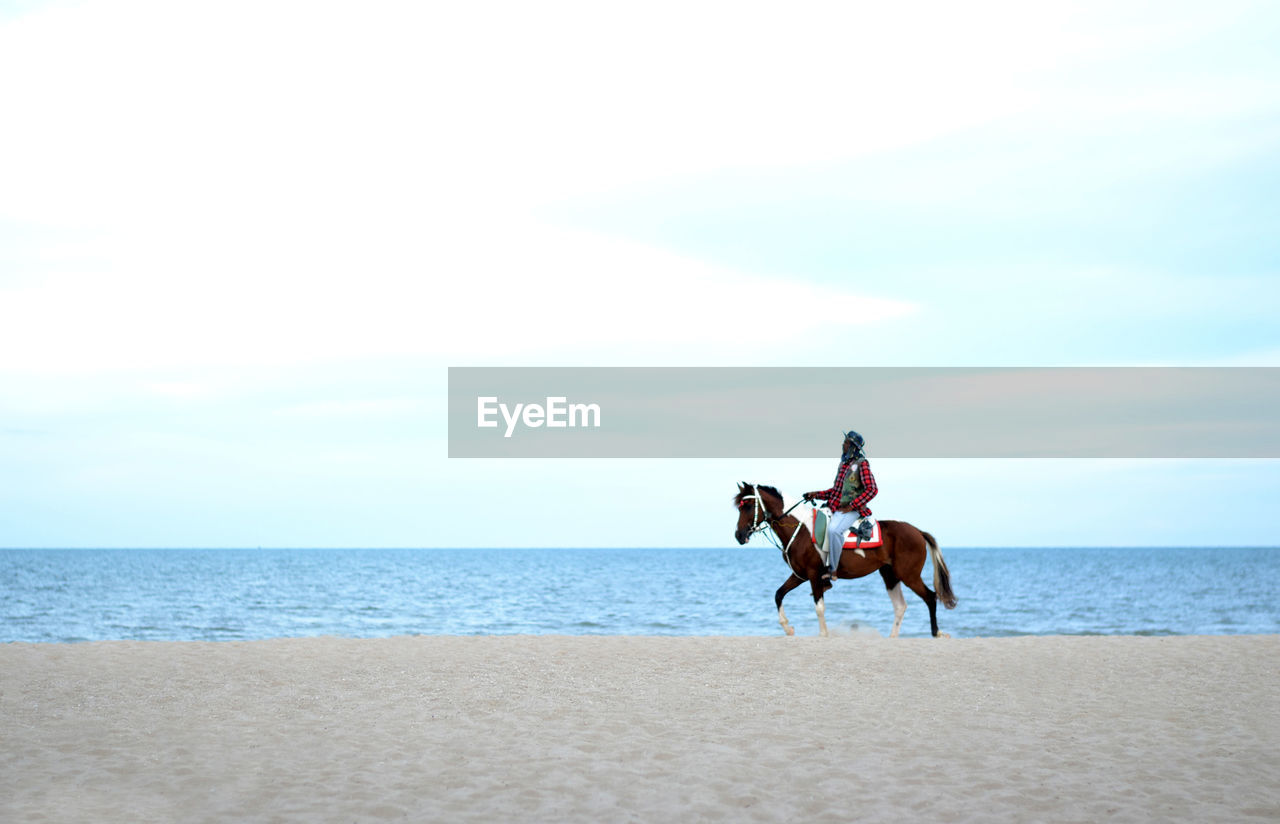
134 112
286 182
283 183
179 390
362 408
1255 357
457 291
143 109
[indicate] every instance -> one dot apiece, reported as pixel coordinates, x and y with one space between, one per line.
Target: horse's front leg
819 605
787 585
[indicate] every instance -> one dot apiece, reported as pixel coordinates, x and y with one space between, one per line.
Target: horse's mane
771 490
737 499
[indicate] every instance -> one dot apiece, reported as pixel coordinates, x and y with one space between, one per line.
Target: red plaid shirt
859 503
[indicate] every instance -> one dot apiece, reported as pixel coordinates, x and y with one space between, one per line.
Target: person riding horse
847 498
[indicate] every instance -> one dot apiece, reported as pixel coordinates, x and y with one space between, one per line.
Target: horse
899 559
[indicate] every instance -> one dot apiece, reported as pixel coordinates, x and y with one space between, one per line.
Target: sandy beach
643 729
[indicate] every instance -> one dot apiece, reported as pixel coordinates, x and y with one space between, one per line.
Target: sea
78 595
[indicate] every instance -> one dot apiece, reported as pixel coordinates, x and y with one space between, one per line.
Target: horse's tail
941 576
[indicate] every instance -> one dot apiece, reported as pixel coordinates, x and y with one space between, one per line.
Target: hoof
942 635
791 630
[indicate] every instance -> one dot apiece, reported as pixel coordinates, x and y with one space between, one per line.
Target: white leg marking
899 608
782 619
821 608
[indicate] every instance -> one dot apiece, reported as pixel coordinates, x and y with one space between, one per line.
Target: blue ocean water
86 595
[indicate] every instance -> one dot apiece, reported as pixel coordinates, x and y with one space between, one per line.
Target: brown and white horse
899 559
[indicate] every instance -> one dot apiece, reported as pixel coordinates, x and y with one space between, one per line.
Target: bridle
769 520
757 523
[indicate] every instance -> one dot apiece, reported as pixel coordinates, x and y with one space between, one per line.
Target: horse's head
757 506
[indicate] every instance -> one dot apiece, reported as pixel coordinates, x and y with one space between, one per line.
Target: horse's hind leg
787 585
917 586
899 608
894 586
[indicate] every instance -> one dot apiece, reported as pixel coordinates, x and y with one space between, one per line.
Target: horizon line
543 548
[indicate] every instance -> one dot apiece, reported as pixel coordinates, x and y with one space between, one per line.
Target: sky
241 243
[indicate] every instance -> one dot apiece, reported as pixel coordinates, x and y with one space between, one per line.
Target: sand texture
643 729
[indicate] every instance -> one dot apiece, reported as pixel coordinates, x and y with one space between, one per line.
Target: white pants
837 529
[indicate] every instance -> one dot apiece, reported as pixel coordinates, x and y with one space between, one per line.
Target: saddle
865 533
